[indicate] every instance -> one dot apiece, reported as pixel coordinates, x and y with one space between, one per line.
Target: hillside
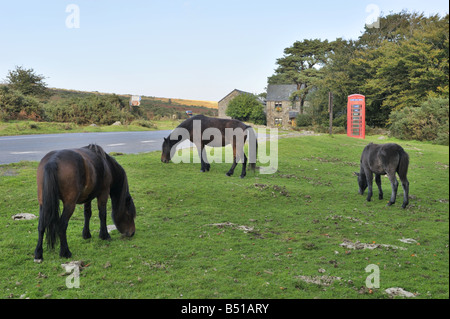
167 101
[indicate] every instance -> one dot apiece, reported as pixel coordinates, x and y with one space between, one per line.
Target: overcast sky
193 49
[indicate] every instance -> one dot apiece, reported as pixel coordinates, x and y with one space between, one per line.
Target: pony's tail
50 203
403 164
252 148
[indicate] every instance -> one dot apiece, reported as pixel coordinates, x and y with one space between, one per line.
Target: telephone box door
356 116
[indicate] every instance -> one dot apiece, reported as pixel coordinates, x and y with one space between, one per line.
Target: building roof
240 92
280 92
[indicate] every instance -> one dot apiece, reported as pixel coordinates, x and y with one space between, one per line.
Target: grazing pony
77 176
201 130
384 159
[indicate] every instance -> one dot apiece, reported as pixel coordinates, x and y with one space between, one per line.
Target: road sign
135 100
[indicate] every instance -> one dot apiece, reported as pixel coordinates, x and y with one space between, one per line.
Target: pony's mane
96 149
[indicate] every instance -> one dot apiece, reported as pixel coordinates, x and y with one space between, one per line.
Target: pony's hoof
66 254
86 235
106 236
38 260
229 174
242 176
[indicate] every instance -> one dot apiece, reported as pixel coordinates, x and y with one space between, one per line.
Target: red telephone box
356 116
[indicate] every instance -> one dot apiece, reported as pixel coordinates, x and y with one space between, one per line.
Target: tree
395 66
301 65
246 107
27 82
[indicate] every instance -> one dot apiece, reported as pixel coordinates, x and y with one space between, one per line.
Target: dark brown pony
77 176
200 130
384 159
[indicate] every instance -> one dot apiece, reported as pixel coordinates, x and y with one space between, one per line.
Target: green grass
299 215
31 127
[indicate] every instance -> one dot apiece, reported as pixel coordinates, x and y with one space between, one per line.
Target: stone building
280 110
223 103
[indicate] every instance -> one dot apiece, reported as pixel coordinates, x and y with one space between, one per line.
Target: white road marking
29 152
118 144
149 141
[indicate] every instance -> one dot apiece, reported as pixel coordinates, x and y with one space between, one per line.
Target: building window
278 106
278 121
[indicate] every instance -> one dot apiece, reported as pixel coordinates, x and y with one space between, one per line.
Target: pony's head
123 209
362 182
124 217
165 155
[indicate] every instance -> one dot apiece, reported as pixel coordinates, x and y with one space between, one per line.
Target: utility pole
330 110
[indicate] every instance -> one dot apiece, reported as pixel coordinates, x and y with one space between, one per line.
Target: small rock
24 216
408 240
111 228
396 291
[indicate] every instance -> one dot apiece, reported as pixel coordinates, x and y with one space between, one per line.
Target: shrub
245 107
16 106
258 116
429 122
103 110
304 120
143 123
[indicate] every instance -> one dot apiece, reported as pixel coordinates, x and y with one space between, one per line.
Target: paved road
33 147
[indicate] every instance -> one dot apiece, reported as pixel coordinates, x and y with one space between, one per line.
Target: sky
190 49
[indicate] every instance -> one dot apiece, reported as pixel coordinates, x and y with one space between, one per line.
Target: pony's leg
394 185
87 218
244 167
38 252
102 200
369 178
63 223
378 181
203 159
233 166
405 186
205 163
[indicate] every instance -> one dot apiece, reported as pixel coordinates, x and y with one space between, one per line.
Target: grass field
206 235
31 127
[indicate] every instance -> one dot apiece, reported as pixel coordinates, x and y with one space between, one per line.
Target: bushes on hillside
103 110
429 122
16 106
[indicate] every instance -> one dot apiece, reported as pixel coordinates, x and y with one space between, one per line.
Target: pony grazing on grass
384 159
214 132
77 176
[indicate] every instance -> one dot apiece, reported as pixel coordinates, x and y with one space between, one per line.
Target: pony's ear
356 173
165 139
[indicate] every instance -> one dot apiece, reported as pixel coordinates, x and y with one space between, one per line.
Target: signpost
330 111
356 116
135 100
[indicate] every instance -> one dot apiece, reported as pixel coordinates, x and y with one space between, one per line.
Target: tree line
402 68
